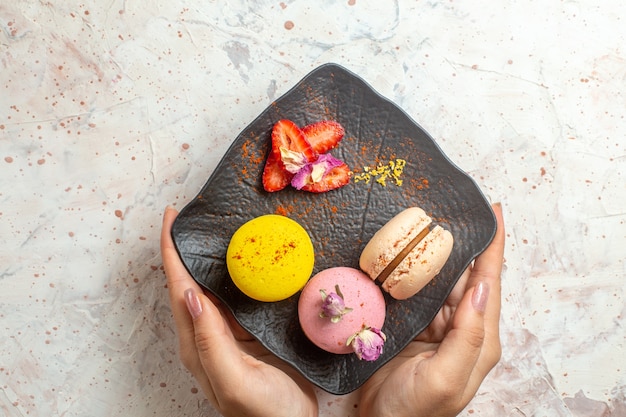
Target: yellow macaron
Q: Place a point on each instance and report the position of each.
(270, 258)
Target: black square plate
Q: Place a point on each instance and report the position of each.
(339, 222)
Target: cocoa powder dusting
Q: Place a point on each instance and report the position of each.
(284, 211)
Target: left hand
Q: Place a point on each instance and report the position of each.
(238, 375)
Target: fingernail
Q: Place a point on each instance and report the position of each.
(480, 296)
(193, 303)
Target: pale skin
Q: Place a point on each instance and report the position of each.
(436, 375)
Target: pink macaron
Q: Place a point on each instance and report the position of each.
(364, 307)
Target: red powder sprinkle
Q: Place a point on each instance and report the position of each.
(8, 159)
(289, 25)
(284, 211)
(118, 213)
(185, 146)
(244, 149)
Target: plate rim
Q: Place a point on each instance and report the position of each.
(336, 67)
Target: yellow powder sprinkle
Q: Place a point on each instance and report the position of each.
(392, 171)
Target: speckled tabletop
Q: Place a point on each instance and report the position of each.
(109, 111)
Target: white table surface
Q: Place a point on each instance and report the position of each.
(111, 110)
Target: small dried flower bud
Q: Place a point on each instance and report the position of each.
(368, 343)
(333, 305)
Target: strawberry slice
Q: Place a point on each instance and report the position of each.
(324, 135)
(335, 178)
(275, 176)
(288, 136)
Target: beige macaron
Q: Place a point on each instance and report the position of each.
(405, 254)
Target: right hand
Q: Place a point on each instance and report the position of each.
(442, 368)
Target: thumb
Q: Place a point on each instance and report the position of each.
(460, 349)
(215, 343)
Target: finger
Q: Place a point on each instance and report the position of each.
(177, 276)
(454, 361)
(488, 269)
(490, 260)
(217, 348)
(178, 280)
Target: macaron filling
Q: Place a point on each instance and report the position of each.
(402, 254)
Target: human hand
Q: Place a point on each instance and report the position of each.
(238, 375)
(440, 371)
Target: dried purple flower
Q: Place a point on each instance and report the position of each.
(313, 172)
(368, 343)
(333, 305)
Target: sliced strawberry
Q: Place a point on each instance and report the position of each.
(335, 178)
(286, 134)
(275, 176)
(324, 135)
